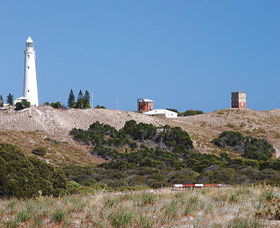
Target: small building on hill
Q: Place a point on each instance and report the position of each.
(144, 105)
(239, 100)
(161, 113)
(20, 99)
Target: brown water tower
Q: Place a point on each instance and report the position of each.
(239, 100)
(144, 105)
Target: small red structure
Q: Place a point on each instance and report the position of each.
(144, 105)
(239, 100)
(191, 186)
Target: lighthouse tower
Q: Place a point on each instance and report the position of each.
(30, 90)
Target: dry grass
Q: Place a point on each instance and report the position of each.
(59, 153)
(226, 207)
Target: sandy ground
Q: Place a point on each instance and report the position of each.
(202, 128)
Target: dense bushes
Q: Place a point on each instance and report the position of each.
(252, 148)
(192, 112)
(95, 134)
(40, 151)
(57, 105)
(139, 131)
(120, 175)
(172, 137)
(22, 176)
(143, 155)
(133, 134)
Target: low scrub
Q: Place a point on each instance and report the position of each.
(26, 177)
(249, 147)
(163, 208)
(145, 156)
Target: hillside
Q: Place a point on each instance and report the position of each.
(49, 128)
(203, 128)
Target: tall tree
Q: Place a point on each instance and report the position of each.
(71, 99)
(1, 101)
(86, 103)
(80, 100)
(10, 99)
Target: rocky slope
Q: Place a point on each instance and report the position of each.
(35, 126)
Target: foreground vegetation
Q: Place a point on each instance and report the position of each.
(231, 207)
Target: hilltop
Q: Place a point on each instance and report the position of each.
(48, 127)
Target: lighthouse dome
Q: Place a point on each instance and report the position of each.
(29, 40)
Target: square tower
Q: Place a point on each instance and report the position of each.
(144, 105)
(239, 100)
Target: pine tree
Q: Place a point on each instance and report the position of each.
(86, 103)
(1, 101)
(80, 100)
(71, 99)
(10, 99)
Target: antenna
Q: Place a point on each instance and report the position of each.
(238, 83)
(117, 102)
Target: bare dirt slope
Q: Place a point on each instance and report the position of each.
(56, 124)
(261, 124)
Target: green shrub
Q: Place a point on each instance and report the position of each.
(229, 139)
(23, 216)
(148, 199)
(58, 216)
(121, 218)
(252, 148)
(267, 195)
(11, 206)
(186, 113)
(272, 164)
(171, 210)
(192, 112)
(191, 205)
(100, 107)
(175, 136)
(22, 105)
(40, 151)
(57, 105)
(22, 176)
(73, 187)
(141, 131)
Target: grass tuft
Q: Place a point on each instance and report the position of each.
(58, 216)
(23, 216)
(122, 217)
(244, 223)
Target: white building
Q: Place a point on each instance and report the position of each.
(30, 90)
(161, 112)
(19, 100)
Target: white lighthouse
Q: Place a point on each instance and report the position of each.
(30, 90)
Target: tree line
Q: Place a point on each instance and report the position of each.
(83, 100)
(9, 100)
